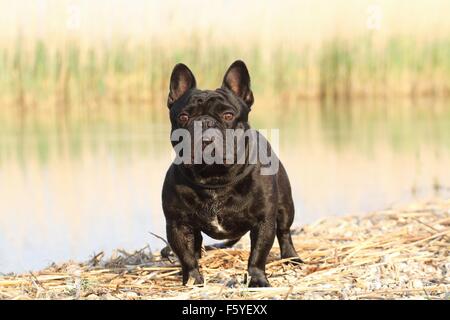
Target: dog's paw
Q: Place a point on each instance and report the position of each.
(166, 252)
(258, 282)
(193, 277)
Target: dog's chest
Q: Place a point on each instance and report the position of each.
(214, 215)
(212, 207)
(222, 215)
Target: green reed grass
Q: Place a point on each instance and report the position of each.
(339, 69)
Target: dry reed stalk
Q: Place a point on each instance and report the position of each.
(391, 254)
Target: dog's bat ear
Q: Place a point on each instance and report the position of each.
(237, 79)
(181, 81)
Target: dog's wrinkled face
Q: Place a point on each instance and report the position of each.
(220, 109)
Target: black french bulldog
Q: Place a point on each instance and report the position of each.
(225, 201)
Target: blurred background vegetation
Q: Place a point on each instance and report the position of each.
(57, 53)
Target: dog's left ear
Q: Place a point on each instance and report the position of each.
(181, 81)
(237, 79)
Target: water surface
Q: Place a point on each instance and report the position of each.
(82, 180)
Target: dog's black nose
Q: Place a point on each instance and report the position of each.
(208, 123)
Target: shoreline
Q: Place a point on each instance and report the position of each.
(396, 253)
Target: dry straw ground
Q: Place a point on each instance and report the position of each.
(398, 253)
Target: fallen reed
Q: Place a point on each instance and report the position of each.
(397, 253)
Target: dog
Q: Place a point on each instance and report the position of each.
(224, 201)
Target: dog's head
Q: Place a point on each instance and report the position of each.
(224, 108)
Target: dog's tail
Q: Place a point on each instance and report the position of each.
(166, 251)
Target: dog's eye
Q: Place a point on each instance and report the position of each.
(183, 117)
(228, 116)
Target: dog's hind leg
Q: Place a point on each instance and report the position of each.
(222, 245)
(167, 251)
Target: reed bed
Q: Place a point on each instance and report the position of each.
(58, 76)
(124, 51)
(397, 253)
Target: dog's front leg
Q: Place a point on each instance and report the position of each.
(262, 237)
(182, 238)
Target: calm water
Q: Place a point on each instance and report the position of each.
(77, 182)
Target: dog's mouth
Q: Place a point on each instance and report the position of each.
(201, 146)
